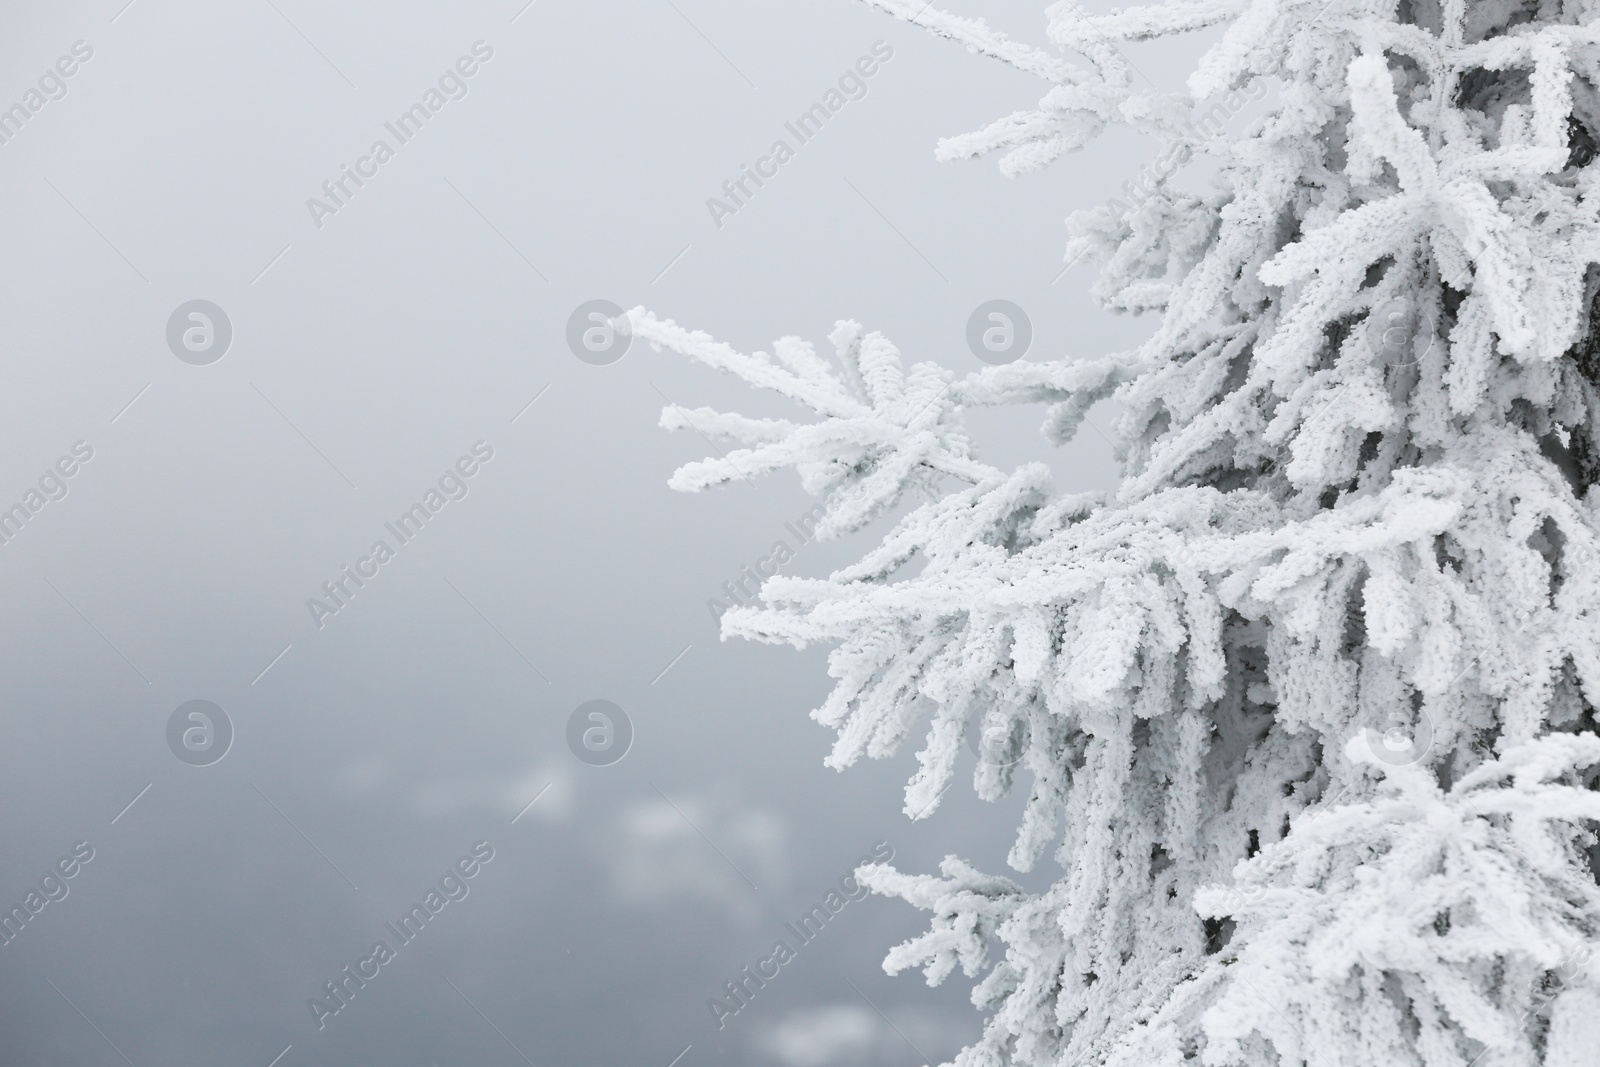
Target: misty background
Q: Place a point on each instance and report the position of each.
(371, 349)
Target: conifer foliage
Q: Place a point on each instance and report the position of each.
(1305, 711)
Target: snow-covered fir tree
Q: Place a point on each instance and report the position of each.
(1306, 709)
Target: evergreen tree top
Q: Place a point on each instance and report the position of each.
(1308, 704)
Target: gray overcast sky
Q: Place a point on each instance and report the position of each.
(371, 350)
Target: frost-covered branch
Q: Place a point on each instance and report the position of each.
(1308, 706)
